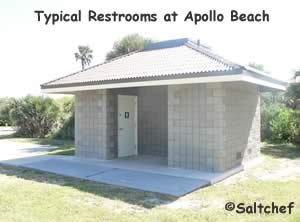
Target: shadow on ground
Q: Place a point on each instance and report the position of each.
(289, 151)
(132, 196)
(9, 136)
(64, 147)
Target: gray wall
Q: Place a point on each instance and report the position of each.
(96, 126)
(242, 123)
(212, 126)
(91, 124)
(152, 118)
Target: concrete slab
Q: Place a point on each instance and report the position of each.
(147, 173)
(154, 164)
(67, 168)
(154, 182)
(159, 183)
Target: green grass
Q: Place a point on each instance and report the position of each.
(30, 195)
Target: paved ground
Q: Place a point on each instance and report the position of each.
(6, 130)
(154, 182)
(142, 172)
(10, 150)
(28, 155)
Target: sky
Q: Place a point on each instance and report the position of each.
(33, 53)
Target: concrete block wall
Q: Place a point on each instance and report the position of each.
(195, 127)
(96, 122)
(242, 123)
(91, 124)
(153, 121)
(212, 126)
(112, 125)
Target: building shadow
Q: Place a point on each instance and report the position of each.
(289, 151)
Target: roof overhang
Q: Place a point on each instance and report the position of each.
(244, 75)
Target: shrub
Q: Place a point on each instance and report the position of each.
(66, 130)
(292, 96)
(66, 122)
(284, 125)
(268, 112)
(270, 106)
(279, 123)
(297, 120)
(5, 107)
(34, 116)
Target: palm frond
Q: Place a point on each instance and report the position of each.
(84, 55)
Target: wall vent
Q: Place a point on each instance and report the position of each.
(238, 155)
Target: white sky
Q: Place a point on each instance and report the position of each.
(32, 53)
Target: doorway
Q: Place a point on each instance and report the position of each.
(127, 125)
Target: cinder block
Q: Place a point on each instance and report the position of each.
(228, 115)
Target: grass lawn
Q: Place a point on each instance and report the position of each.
(30, 195)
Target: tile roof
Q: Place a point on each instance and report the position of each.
(162, 59)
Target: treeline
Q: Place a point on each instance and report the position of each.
(39, 116)
(280, 118)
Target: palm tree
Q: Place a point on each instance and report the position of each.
(84, 55)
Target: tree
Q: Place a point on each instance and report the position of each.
(257, 66)
(280, 116)
(84, 55)
(5, 107)
(66, 122)
(34, 116)
(127, 44)
(292, 93)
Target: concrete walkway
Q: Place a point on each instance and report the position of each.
(154, 182)
(104, 172)
(142, 172)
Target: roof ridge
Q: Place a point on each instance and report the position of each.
(165, 44)
(212, 55)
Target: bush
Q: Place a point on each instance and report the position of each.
(268, 112)
(279, 123)
(284, 125)
(34, 116)
(270, 106)
(5, 107)
(297, 120)
(66, 123)
(292, 96)
(66, 130)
